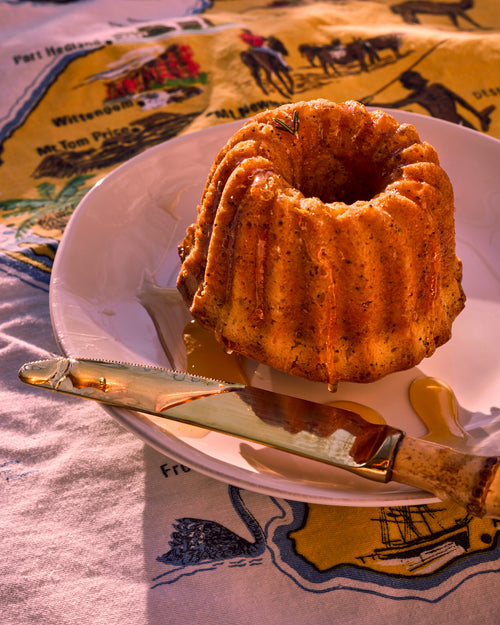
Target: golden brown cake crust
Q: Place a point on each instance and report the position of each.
(329, 252)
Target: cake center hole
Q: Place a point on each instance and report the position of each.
(342, 179)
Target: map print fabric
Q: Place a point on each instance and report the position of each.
(98, 527)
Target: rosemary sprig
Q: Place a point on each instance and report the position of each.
(284, 126)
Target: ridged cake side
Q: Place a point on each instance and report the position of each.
(329, 253)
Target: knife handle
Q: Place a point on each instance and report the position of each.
(469, 480)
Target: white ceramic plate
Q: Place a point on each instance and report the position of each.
(125, 233)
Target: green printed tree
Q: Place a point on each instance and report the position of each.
(51, 210)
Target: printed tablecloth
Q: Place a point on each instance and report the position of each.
(97, 526)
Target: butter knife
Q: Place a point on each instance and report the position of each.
(328, 434)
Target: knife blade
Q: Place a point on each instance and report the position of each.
(320, 432)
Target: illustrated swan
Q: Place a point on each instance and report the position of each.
(200, 540)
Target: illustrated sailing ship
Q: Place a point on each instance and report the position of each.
(415, 540)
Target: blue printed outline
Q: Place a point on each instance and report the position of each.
(39, 91)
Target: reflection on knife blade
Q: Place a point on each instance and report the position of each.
(325, 433)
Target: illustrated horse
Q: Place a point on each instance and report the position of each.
(269, 60)
(411, 9)
(391, 41)
(344, 54)
(310, 52)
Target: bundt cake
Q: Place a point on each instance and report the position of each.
(325, 244)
